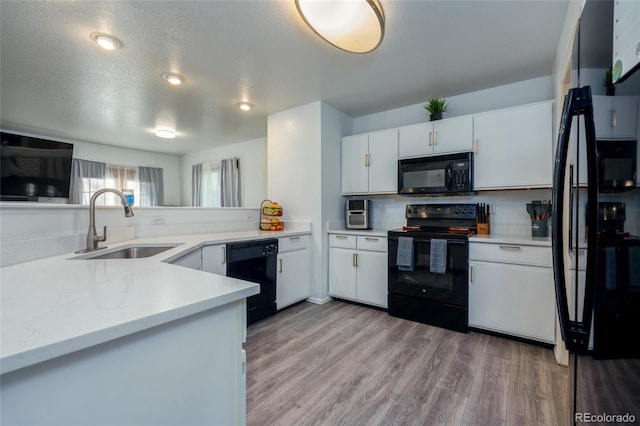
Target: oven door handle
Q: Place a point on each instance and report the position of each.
(427, 240)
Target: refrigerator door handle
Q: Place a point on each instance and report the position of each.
(575, 333)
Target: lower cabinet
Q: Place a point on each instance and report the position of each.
(511, 290)
(292, 279)
(192, 260)
(214, 259)
(358, 268)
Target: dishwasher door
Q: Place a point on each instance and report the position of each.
(256, 261)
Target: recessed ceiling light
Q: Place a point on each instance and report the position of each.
(174, 79)
(356, 26)
(106, 41)
(245, 106)
(165, 133)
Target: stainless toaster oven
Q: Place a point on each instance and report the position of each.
(357, 214)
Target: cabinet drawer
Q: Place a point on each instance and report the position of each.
(343, 241)
(296, 242)
(372, 243)
(511, 253)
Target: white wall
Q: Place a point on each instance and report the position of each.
(523, 92)
(253, 169)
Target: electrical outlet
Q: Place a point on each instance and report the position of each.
(249, 217)
(157, 220)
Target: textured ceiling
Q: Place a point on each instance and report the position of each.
(55, 81)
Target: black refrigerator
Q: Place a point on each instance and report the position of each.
(598, 301)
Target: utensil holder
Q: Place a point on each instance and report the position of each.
(539, 228)
(484, 228)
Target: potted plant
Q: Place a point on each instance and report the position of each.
(607, 82)
(436, 107)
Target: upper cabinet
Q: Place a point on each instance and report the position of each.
(615, 117)
(370, 163)
(514, 147)
(436, 137)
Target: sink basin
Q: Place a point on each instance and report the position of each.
(129, 252)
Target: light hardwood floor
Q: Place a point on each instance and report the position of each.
(344, 364)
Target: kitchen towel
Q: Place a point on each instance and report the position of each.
(438, 260)
(404, 258)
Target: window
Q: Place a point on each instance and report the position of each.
(89, 176)
(216, 183)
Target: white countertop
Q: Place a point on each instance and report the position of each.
(58, 305)
(511, 239)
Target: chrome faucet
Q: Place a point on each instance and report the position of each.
(92, 236)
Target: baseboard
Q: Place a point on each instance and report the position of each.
(319, 301)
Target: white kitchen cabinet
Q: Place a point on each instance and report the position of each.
(436, 137)
(514, 147)
(358, 268)
(370, 163)
(192, 260)
(615, 117)
(214, 259)
(292, 280)
(511, 290)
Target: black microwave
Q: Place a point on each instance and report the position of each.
(617, 165)
(436, 175)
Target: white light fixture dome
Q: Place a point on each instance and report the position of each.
(172, 78)
(245, 106)
(165, 133)
(106, 41)
(356, 26)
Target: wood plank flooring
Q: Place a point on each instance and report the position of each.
(344, 364)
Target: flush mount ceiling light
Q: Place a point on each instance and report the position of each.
(106, 41)
(165, 133)
(356, 26)
(244, 106)
(175, 79)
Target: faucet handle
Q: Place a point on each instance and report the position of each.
(102, 237)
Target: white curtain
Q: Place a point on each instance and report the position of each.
(230, 182)
(151, 186)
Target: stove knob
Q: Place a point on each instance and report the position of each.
(457, 210)
(464, 210)
(409, 211)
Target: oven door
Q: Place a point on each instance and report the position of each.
(419, 176)
(450, 287)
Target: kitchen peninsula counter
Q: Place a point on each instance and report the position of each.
(62, 312)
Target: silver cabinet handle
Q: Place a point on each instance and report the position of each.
(371, 238)
(354, 259)
(510, 247)
(294, 238)
(224, 255)
(341, 237)
(280, 270)
(471, 274)
(430, 133)
(475, 147)
(613, 118)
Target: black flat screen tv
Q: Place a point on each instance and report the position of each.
(31, 168)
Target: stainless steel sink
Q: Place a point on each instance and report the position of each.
(129, 252)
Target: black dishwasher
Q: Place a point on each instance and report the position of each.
(256, 261)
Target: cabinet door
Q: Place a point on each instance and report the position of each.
(214, 259)
(514, 147)
(372, 278)
(192, 260)
(292, 281)
(342, 273)
(512, 299)
(355, 173)
(453, 135)
(415, 140)
(383, 161)
(615, 116)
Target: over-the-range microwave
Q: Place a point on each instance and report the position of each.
(450, 174)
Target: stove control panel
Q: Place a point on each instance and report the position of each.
(441, 211)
